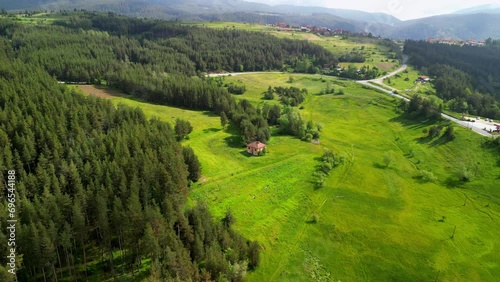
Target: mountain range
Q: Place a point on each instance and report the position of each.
(477, 23)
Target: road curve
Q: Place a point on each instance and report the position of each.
(471, 125)
(476, 127)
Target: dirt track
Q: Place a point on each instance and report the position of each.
(99, 91)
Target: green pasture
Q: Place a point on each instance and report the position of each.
(257, 84)
(37, 19)
(405, 82)
(375, 222)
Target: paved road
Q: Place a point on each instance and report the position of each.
(478, 127)
(239, 73)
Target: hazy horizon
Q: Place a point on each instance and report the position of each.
(401, 9)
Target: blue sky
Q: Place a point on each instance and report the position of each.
(402, 9)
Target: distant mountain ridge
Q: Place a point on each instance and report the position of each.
(477, 23)
(484, 9)
(459, 26)
(201, 6)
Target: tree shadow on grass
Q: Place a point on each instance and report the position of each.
(453, 182)
(432, 141)
(440, 141)
(233, 141)
(379, 165)
(423, 140)
(247, 154)
(208, 113)
(213, 129)
(412, 123)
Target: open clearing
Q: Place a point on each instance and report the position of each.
(376, 223)
(99, 91)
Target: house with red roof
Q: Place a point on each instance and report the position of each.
(255, 148)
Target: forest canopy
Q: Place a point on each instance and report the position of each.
(465, 76)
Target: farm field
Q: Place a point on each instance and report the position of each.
(374, 222)
(37, 19)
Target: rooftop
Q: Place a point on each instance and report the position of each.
(257, 145)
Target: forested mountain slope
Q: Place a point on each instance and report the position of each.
(95, 183)
(99, 189)
(469, 26)
(466, 76)
(196, 9)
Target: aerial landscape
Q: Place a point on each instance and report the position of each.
(166, 140)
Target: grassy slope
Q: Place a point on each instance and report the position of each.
(410, 87)
(375, 223)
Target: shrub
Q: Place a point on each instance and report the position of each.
(427, 176)
(465, 174)
(387, 159)
(182, 128)
(236, 89)
(435, 131)
(449, 134)
(268, 96)
(308, 137)
(314, 218)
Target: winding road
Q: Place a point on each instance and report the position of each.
(480, 128)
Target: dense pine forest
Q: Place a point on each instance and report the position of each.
(466, 77)
(162, 62)
(103, 184)
(101, 190)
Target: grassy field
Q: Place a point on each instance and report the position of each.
(376, 223)
(37, 19)
(405, 82)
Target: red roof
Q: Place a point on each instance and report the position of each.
(256, 145)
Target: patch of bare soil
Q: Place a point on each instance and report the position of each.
(99, 91)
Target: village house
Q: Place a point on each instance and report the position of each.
(255, 148)
(423, 79)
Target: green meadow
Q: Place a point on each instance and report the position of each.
(405, 82)
(37, 19)
(376, 218)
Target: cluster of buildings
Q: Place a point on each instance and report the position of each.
(470, 42)
(314, 29)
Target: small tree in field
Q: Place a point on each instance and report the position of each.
(182, 128)
(229, 219)
(449, 134)
(387, 159)
(435, 131)
(223, 119)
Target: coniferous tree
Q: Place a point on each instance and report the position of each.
(193, 164)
